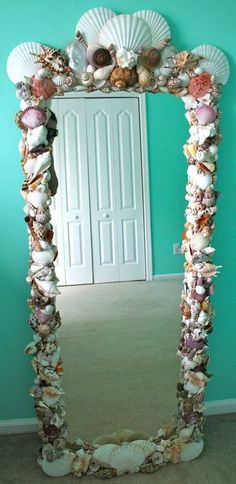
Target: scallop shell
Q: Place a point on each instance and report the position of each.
(59, 467)
(21, 63)
(33, 116)
(159, 28)
(59, 80)
(125, 458)
(191, 451)
(90, 24)
(43, 88)
(126, 31)
(215, 62)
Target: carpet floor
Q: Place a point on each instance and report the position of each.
(119, 348)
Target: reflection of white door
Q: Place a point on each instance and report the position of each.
(99, 207)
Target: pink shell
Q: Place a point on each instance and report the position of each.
(43, 88)
(33, 117)
(42, 317)
(205, 114)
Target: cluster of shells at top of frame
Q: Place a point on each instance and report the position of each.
(119, 52)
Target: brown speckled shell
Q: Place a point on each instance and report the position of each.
(123, 77)
(150, 58)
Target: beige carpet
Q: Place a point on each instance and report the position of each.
(119, 347)
(217, 464)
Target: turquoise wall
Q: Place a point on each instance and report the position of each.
(53, 22)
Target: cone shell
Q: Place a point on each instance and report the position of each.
(125, 31)
(43, 88)
(90, 24)
(159, 28)
(214, 62)
(21, 61)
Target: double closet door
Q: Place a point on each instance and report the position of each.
(98, 211)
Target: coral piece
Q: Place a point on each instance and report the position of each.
(199, 85)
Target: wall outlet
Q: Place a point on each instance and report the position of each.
(177, 248)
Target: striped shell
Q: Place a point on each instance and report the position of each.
(160, 30)
(125, 458)
(214, 62)
(125, 31)
(191, 451)
(90, 24)
(21, 61)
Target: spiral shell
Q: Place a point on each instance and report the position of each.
(150, 58)
(98, 56)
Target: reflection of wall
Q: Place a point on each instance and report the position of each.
(54, 23)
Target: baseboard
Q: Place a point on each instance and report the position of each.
(178, 275)
(19, 426)
(30, 425)
(220, 407)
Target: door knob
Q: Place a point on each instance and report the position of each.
(106, 215)
(77, 217)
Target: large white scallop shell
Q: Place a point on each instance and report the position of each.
(160, 29)
(191, 451)
(126, 31)
(90, 24)
(215, 62)
(59, 467)
(21, 63)
(127, 457)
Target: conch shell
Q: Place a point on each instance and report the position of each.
(123, 77)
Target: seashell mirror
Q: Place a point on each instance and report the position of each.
(112, 53)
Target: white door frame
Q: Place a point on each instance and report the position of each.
(145, 162)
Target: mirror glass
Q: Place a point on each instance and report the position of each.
(119, 331)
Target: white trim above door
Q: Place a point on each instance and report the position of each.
(144, 187)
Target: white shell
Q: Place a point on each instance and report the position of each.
(126, 31)
(21, 63)
(37, 136)
(37, 198)
(59, 467)
(43, 162)
(103, 73)
(49, 288)
(43, 257)
(215, 62)
(59, 80)
(203, 180)
(186, 432)
(199, 242)
(90, 24)
(160, 29)
(125, 458)
(191, 451)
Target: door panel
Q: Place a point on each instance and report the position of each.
(99, 206)
(102, 190)
(75, 189)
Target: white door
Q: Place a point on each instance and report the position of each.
(99, 158)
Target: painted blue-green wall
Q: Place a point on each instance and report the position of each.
(53, 22)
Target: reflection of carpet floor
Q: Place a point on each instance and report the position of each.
(119, 348)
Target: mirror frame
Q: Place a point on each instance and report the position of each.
(197, 80)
